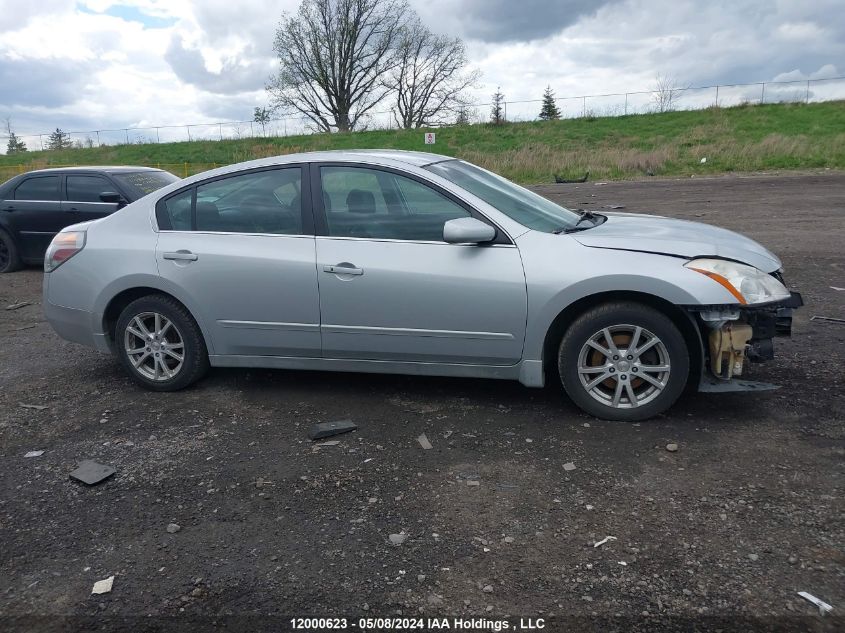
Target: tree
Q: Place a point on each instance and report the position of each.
(665, 93)
(428, 81)
(462, 117)
(334, 56)
(549, 110)
(497, 109)
(15, 145)
(262, 116)
(59, 140)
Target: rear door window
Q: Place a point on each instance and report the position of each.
(38, 188)
(87, 188)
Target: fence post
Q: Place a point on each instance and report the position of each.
(717, 96)
(158, 136)
(126, 132)
(626, 103)
(763, 94)
(807, 99)
(221, 130)
(584, 107)
(41, 138)
(251, 131)
(186, 170)
(188, 127)
(98, 138)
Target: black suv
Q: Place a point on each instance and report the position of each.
(37, 205)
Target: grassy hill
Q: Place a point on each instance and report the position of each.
(745, 138)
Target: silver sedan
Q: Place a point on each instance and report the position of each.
(414, 263)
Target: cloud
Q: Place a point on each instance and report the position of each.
(236, 74)
(42, 82)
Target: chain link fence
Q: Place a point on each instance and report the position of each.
(611, 104)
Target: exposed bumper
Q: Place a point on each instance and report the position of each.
(739, 334)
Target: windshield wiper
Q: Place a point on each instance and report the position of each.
(585, 216)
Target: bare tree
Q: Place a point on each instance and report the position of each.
(428, 81)
(333, 57)
(665, 92)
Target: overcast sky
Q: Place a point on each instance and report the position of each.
(90, 64)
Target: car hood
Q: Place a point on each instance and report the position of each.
(681, 238)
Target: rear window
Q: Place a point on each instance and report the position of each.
(140, 183)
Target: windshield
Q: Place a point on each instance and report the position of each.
(518, 203)
(140, 183)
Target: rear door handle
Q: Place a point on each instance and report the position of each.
(343, 270)
(181, 256)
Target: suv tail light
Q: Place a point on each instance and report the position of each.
(64, 246)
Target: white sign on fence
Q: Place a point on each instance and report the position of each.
(429, 138)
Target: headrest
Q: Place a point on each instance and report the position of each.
(360, 201)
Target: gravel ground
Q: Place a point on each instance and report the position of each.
(721, 533)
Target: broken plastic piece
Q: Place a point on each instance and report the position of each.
(103, 586)
(327, 429)
(604, 540)
(90, 472)
(37, 407)
(423, 440)
(34, 454)
(824, 318)
(823, 606)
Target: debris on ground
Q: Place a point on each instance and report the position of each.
(824, 318)
(571, 181)
(172, 528)
(471, 482)
(22, 328)
(614, 206)
(37, 407)
(34, 454)
(398, 539)
(606, 539)
(423, 440)
(327, 429)
(19, 305)
(823, 606)
(327, 443)
(835, 288)
(90, 472)
(103, 586)
(672, 448)
(569, 466)
(703, 160)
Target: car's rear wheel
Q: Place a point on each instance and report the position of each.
(159, 344)
(10, 260)
(623, 361)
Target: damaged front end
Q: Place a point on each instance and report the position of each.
(734, 335)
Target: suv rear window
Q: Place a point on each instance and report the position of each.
(139, 183)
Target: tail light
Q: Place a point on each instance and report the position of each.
(64, 246)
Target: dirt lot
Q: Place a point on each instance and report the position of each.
(746, 513)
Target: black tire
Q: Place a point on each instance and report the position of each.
(10, 259)
(619, 318)
(184, 328)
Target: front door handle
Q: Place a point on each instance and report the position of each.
(187, 256)
(343, 269)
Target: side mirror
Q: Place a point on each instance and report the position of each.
(467, 231)
(113, 197)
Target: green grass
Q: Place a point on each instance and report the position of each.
(745, 138)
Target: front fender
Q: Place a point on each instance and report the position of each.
(559, 277)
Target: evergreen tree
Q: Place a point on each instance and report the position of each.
(59, 140)
(549, 110)
(15, 145)
(463, 116)
(497, 110)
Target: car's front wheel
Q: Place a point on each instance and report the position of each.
(623, 361)
(159, 344)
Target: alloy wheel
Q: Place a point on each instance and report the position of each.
(154, 346)
(624, 366)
